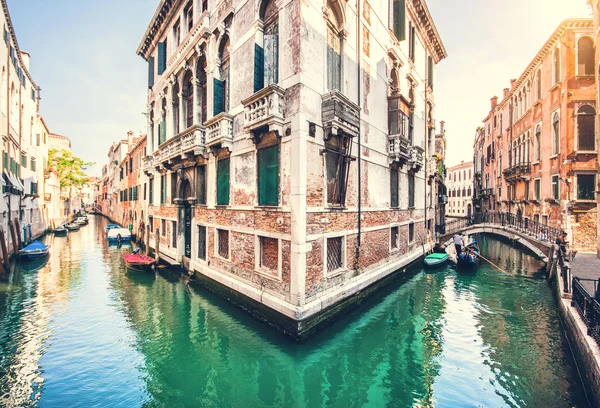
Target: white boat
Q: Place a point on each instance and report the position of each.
(81, 220)
(118, 235)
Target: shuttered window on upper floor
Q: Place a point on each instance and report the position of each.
(259, 68)
(271, 53)
(201, 184)
(150, 72)
(223, 182)
(162, 57)
(268, 175)
(399, 19)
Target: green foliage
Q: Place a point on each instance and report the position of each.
(70, 168)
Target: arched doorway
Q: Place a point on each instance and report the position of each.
(185, 215)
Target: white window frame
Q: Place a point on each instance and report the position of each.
(343, 268)
(216, 243)
(577, 53)
(535, 190)
(555, 149)
(261, 270)
(392, 249)
(552, 186)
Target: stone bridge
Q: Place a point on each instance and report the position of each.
(536, 237)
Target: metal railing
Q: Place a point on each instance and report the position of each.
(587, 306)
(535, 230)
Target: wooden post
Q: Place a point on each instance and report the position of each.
(18, 231)
(13, 237)
(4, 249)
(157, 244)
(147, 240)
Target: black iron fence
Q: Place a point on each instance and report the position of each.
(587, 306)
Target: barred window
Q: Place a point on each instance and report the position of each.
(223, 243)
(411, 232)
(174, 233)
(202, 242)
(334, 253)
(394, 238)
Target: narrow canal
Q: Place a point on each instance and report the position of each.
(81, 331)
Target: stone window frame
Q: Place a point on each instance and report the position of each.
(555, 149)
(397, 248)
(412, 224)
(576, 54)
(194, 248)
(261, 270)
(174, 226)
(535, 195)
(557, 195)
(576, 108)
(556, 71)
(163, 227)
(575, 184)
(344, 267)
(216, 243)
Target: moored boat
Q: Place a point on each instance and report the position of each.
(72, 227)
(35, 250)
(435, 259)
(117, 235)
(139, 262)
(108, 227)
(81, 220)
(60, 231)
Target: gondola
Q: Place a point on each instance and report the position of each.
(60, 231)
(35, 250)
(469, 257)
(73, 226)
(139, 262)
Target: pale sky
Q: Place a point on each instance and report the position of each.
(94, 85)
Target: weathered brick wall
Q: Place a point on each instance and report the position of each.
(584, 231)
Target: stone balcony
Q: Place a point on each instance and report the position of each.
(147, 164)
(399, 149)
(219, 131)
(340, 115)
(519, 171)
(188, 143)
(264, 111)
(417, 154)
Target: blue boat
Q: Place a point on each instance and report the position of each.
(34, 250)
(118, 236)
(111, 226)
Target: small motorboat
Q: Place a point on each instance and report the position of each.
(73, 226)
(111, 226)
(138, 262)
(435, 259)
(118, 235)
(35, 250)
(81, 220)
(60, 231)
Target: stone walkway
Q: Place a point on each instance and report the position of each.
(586, 266)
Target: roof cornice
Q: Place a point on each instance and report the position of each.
(13, 36)
(432, 37)
(162, 13)
(567, 24)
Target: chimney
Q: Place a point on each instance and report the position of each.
(494, 102)
(129, 140)
(506, 91)
(442, 127)
(512, 83)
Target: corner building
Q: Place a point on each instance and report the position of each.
(287, 147)
(537, 149)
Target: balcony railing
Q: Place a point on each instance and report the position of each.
(340, 114)
(219, 131)
(519, 171)
(147, 164)
(416, 157)
(588, 306)
(486, 192)
(264, 111)
(189, 142)
(399, 149)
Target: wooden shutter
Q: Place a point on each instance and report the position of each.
(223, 182)
(218, 97)
(6, 36)
(162, 57)
(430, 71)
(393, 187)
(150, 72)
(411, 190)
(400, 19)
(271, 54)
(268, 176)
(162, 132)
(259, 68)
(201, 184)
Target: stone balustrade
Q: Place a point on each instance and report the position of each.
(219, 131)
(188, 142)
(398, 149)
(264, 110)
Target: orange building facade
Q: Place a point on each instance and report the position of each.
(536, 155)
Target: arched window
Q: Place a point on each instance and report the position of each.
(538, 84)
(469, 192)
(201, 97)
(151, 127)
(586, 124)
(500, 122)
(495, 121)
(459, 176)
(335, 25)
(269, 14)
(13, 104)
(162, 125)
(188, 98)
(555, 134)
(395, 84)
(221, 87)
(464, 175)
(556, 67)
(175, 95)
(537, 143)
(585, 56)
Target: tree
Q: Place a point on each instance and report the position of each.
(70, 169)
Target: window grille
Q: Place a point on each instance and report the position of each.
(202, 242)
(223, 236)
(174, 233)
(334, 253)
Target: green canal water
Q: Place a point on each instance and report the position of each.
(80, 331)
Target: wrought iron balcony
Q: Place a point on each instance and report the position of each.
(519, 171)
(339, 114)
(416, 157)
(188, 143)
(486, 192)
(219, 131)
(399, 149)
(264, 111)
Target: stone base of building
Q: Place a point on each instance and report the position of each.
(299, 322)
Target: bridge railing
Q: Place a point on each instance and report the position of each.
(534, 229)
(587, 306)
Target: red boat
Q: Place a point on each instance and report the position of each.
(139, 262)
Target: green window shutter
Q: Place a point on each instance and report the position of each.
(393, 187)
(23, 160)
(5, 36)
(430, 71)
(268, 176)
(5, 160)
(162, 57)
(218, 97)
(33, 94)
(400, 19)
(223, 182)
(259, 68)
(162, 132)
(32, 165)
(201, 184)
(150, 72)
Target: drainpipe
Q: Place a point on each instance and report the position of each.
(358, 77)
(426, 158)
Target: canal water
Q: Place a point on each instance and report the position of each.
(80, 331)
